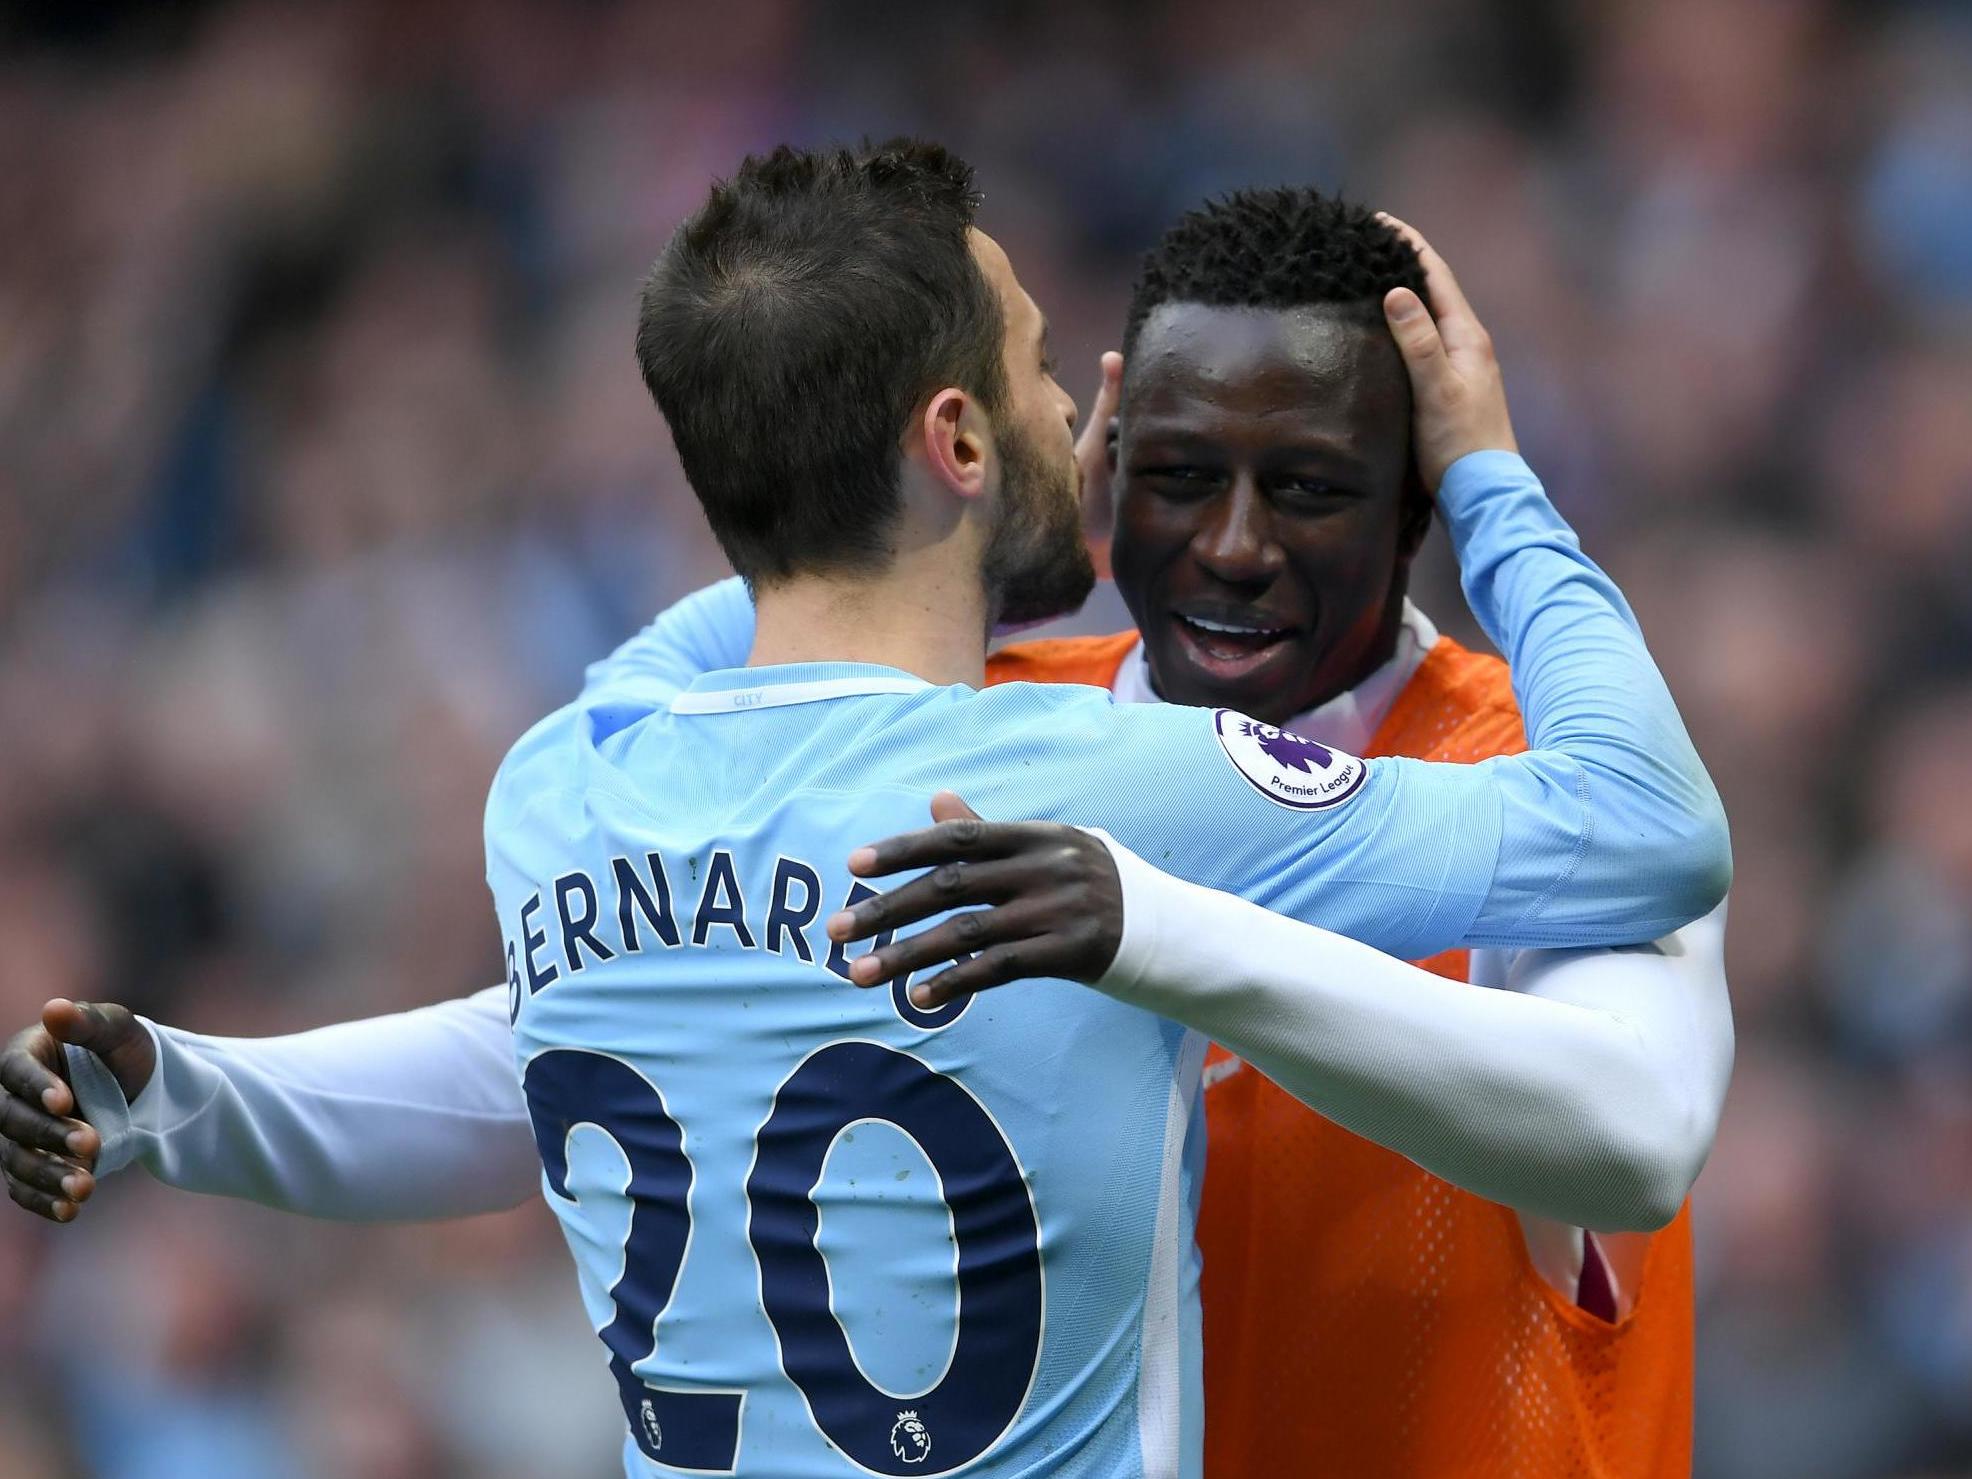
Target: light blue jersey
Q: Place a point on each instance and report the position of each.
(824, 1232)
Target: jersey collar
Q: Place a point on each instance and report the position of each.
(736, 690)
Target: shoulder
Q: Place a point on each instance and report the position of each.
(1036, 707)
(1090, 660)
(539, 751)
(544, 741)
(1064, 749)
(553, 755)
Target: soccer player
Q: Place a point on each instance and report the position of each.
(1267, 516)
(1335, 819)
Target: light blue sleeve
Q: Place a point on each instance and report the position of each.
(1607, 831)
(1402, 857)
(708, 630)
(1612, 831)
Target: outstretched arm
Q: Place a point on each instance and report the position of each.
(402, 1117)
(397, 1118)
(1589, 1092)
(708, 630)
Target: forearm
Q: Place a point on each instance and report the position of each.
(708, 630)
(397, 1118)
(1593, 1103)
(1611, 784)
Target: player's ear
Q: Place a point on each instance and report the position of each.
(955, 443)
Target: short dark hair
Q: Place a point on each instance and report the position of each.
(1284, 248)
(792, 327)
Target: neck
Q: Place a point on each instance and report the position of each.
(1382, 647)
(926, 623)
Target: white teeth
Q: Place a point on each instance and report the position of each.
(1219, 626)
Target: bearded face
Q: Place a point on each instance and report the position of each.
(1037, 565)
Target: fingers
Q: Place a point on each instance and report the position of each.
(48, 1160)
(990, 968)
(1057, 894)
(40, 1203)
(50, 1175)
(963, 934)
(23, 1124)
(1437, 271)
(30, 1088)
(1417, 339)
(1457, 323)
(949, 806)
(1092, 458)
(29, 1070)
(962, 840)
(948, 886)
(1110, 396)
(1103, 406)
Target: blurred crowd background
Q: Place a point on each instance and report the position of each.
(324, 468)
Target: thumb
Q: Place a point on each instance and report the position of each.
(109, 1031)
(947, 806)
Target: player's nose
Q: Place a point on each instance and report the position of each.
(1236, 540)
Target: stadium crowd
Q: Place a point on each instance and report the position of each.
(326, 468)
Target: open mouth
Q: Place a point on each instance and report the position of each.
(1230, 646)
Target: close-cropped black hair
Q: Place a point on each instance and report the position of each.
(792, 327)
(1283, 248)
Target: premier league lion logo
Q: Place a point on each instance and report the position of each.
(1290, 749)
(910, 1440)
(1286, 768)
(647, 1419)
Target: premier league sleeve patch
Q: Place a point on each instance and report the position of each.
(1285, 768)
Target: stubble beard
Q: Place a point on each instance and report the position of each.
(1037, 566)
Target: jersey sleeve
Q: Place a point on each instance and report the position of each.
(1401, 858)
(706, 631)
(396, 1118)
(1599, 1074)
(1607, 832)
(1612, 831)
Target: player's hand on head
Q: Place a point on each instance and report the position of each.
(48, 1156)
(1093, 450)
(1054, 904)
(1458, 394)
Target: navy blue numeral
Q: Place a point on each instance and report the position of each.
(929, 1018)
(999, 1259)
(999, 1254)
(568, 1087)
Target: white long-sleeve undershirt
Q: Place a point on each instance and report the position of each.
(1587, 1092)
(389, 1119)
